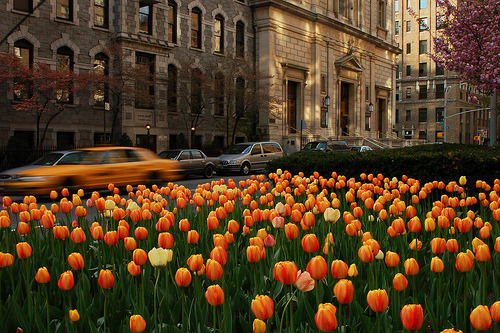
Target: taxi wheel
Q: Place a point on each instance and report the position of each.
(209, 171)
(153, 179)
(70, 184)
(245, 168)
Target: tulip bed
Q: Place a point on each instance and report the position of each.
(283, 253)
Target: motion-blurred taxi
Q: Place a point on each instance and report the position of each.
(100, 166)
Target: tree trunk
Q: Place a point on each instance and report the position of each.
(493, 119)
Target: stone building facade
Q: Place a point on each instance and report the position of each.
(328, 65)
(427, 94)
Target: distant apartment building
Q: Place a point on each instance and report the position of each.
(328, 68)
(427, 94)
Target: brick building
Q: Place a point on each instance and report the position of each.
(425, 93)
(328, 65)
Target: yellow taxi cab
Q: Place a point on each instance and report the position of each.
(99, 167)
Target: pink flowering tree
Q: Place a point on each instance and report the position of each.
(469, 44)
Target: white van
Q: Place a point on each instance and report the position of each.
(248, 156)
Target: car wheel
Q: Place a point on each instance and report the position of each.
(209, 171)
(245, 169)
(70, 184)
(154, 179)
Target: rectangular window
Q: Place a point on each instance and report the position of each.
(408, 26)
(422, 115)
(440, 90)
(398, 75)
(439, 114)
(439, 21)
(396, 27)
(408, 115)
(146, 88)
(422, 69)
(64, 9)
(240, 39)
(408, 4)
(324, 119)
(219, 34)
(408, 70)
(323, 84)
(422, 91)
(408, 93)
(396, 5)
(24, 52)
(423, 4)
(423, 24)
(422, 135)
(397, 116)
(172, 22)
(381, 14)
(196, 28)
(408, 48)
(23, 5)
(101, 13)
(172, 88)
(422, 47)
(145, 18)
(439, 70)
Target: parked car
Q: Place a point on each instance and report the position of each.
(99, 167)
(193, 161)
(248, 156)
(361, 149)
(326, 145)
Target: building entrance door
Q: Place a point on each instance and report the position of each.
(292, 106)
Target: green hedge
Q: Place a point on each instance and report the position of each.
(442, 162)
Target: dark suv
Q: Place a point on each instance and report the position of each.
(326, 145)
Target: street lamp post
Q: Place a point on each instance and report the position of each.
(148, 127)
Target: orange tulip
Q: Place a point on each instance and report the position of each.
(339, 269)
(291, 231)
(483, 253)
(141, 233)
(411, 266)
(106, 279)
(23, 250)
(193, 237)
(285, 272)
(438, 245)
(6, 259)
(133, 269)
(463, 262)
(480, 318)
(183, 277)
(400, 282)
(391, 259)
(42, 275)
(495, 311)
(212, 223)
(437, 265)
(23, 228)
(497, 244)
(365, 253)
(325, 317)
(165, 240)
(78, 236)
(262, 307)
(412, 316)
(213, 270)
(122, 232)
(75, 260)
(344, 291)
(219, 254)
(130, 243)
(4, 222)
(452, 245)
(97, 232)
(258, 326)
(74, 315)
(233, 226)
(317, 267)
(214, 295)
(310, 243)
(378, 300)
(66, 281)
(253, 253)
(140, 257)
(137, 324)
(111, 238)
(195, 262)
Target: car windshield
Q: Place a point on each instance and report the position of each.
(356, 148)
(238, 149)
(73, 158)
(315, 146)
(169, 154)
(48, 159)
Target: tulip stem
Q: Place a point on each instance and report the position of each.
(47, 304)
(482, 266)
(184, 316)
(105, 306)
(215, 318)
(284, 310)
(155, 297)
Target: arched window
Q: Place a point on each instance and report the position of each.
(172, 88)
(219, 94)
(172, 21)
(101, 67)
(196, 91)
(64, 63)
(219, 34)
(240, 39)
(196, 28)
(23, 50)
